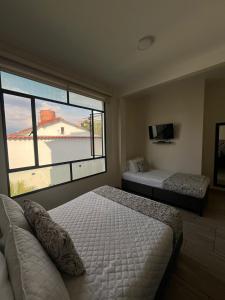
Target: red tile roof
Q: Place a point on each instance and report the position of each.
(22, 134)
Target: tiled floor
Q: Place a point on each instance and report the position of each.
(200, 270)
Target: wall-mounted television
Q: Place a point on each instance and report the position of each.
(161, 132)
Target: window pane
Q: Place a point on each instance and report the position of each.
(86, 101)
(63, 132)
(27, 86)
(87, 168)
(19, 130)
(31, 180)
(98, 119)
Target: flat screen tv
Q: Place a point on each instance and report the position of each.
(161, 132)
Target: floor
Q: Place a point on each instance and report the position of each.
(200, 268)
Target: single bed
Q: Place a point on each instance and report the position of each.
(187, 191)
(126, 242)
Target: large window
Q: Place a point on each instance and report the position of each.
(52, 136)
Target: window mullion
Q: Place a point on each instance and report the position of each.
(92, 133)
(104, 124)
(34, 122)
(71, 172)
(102, 133)
(4, 135)
(67, 97)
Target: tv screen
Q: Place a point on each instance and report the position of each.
(161, 132)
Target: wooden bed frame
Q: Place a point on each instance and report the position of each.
(168, 197)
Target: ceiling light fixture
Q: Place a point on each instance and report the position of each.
(145, 42)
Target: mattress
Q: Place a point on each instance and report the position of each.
(125, 253)
(154, 178)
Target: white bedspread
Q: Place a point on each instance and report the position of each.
(125, 253)
(153, 177)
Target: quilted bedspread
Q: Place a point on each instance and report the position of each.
(162, 212)
(125, 253)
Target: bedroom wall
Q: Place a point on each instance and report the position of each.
(135, 129)
(214, 113)
(180, 102)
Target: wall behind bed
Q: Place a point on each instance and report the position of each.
(214, 113)
(180, 102)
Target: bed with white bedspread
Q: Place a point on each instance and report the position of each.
(125, 249)
(188, 191)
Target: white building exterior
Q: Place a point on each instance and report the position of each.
(58, 141)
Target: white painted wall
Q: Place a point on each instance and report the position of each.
(55, 129)
(59, 150)
(21, 152)
(181, 103)
(41, 178)
(50, 151)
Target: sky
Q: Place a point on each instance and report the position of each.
(27, 86)
(31, 87)
(18, 109)
(69, 113)
(18, 112)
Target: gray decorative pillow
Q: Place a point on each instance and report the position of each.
(141, 165)
(59, 246)
(33, 211)
(32, 273)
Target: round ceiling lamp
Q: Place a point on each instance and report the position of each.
(145, 42)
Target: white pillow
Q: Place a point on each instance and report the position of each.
(32, 273)
(11, 213)
(6, 292)
(132, 166)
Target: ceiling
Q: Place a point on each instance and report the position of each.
(97, 39)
